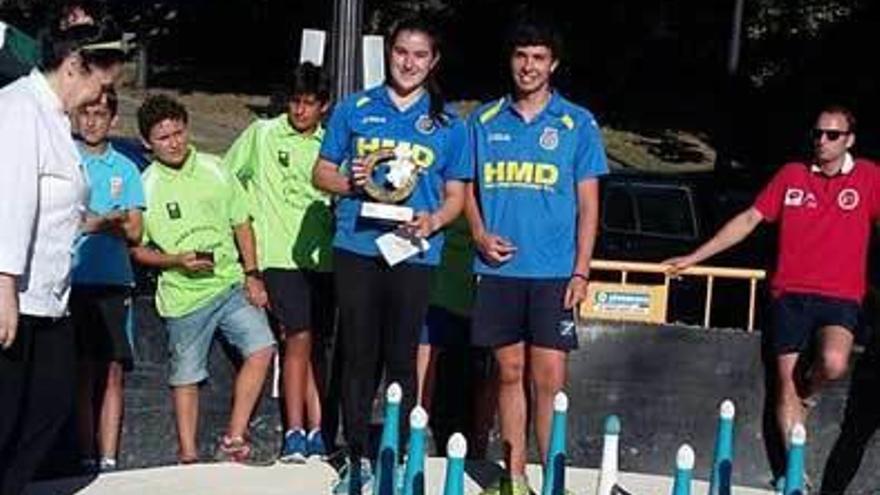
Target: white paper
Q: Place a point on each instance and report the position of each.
(381, 211)
(396, 248)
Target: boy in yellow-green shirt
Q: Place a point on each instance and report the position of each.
(196, 228)
(293, 223)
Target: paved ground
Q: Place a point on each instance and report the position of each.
(317, 478)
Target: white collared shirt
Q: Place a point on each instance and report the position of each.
(847, 167)
(42, 194)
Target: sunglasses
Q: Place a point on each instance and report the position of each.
(831, 134)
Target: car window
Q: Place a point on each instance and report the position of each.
(665, 211)
(618, 212)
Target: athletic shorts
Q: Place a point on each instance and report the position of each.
(510, 310)
(443, 328)
(798, 317)
(102, 319)
(300, 299)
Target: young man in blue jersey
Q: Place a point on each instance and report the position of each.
(533, 211)
(100, 301)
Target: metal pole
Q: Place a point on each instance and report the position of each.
(347, 21)
(735, 37)
(143, 66)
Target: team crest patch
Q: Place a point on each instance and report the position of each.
(848, 199)
(115, 187)
(794, 197)
(173, 210)
(284, 158)
(549, 139)
(425, 125)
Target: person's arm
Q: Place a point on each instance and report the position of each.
(587, 225)
(426, 223)
(472, 211)
(133, 227)
(187, 261)
(110, 223)
(18, 207)
(327, 177)
(493, 247)
(8, 309)
(256, 290)
(733, 232)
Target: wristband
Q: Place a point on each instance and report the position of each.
(580, 276)
(255, 273)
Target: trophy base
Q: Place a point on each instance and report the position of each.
(382, 211)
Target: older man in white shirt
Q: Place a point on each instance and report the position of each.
(43, 191)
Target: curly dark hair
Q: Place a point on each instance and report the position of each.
(157, 108)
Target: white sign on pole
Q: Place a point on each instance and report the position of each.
(312, 47)
(2, 34)
(374, 60)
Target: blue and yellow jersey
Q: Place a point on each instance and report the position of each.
(368, 121)
(527, 176)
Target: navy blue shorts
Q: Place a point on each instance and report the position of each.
(510, 310)
(102, 318)
(798, 317)
(443, 328)
(300, 299)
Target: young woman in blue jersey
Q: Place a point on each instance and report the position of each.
(533, 210)
(382, 308)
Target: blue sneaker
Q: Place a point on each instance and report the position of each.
(315, 444)
(295, 447)
(344, 485)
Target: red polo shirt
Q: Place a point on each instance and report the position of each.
(824, 227)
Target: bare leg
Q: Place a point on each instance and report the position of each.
(512, 404)
(836, 345)
(789, 408)
(548, 373)
(248, 385)
(111, 411)
(313, 400)
(297, 355)
(426, 366)
(186, 409)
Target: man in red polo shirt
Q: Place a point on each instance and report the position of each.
(825, 210)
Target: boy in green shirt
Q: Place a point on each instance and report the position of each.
(196, 226)
(273, 160)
